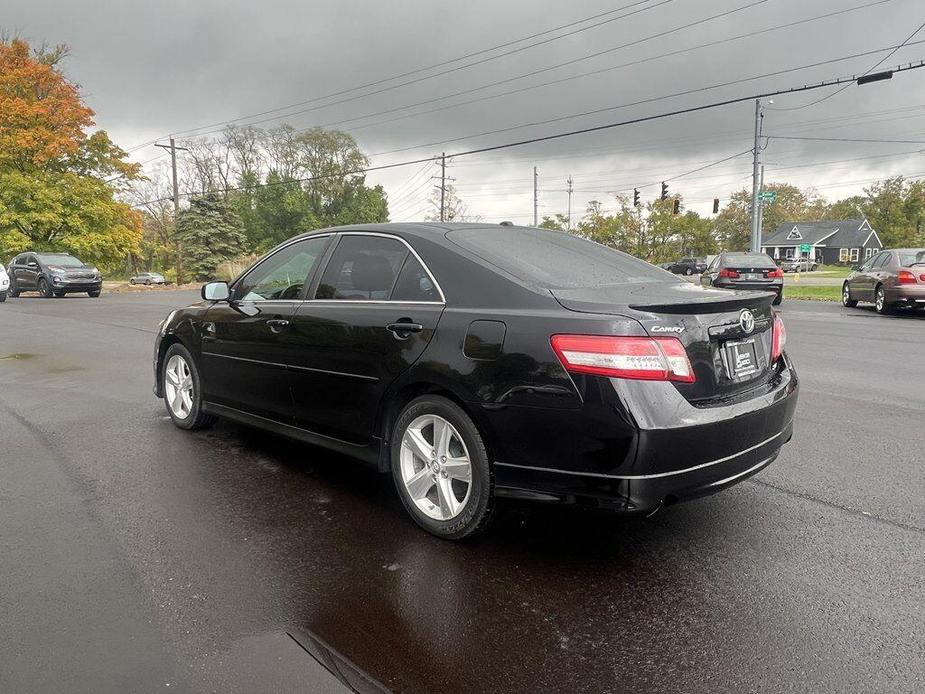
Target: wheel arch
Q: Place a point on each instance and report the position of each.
(400, 395)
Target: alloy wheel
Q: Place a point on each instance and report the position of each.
(435, 467)
(845, 294)
(880, 299)
(178, 386)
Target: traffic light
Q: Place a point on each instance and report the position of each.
(715, 205)
(635, 197)
(664, 191)
(677, 206)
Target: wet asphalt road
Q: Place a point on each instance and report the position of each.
(137, 557)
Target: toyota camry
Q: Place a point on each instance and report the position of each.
(474, 362)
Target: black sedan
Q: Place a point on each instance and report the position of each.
(475, 362)
(687, 266)
(754, 271)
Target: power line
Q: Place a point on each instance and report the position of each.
(870, 70)
(846, 139)
(443, 63)
(632, 63)
(572, 133)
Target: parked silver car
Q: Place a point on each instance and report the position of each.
(147, 278)
(799, 265)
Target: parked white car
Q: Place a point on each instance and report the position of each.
(4, 283)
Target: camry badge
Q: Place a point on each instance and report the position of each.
(746, 321)
(668, 329)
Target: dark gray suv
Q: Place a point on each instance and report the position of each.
(53, 274)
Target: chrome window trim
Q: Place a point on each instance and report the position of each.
(413, 252)
(654, 475)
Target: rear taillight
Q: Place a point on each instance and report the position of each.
(726, 272)
(645, 358)
(776, 272)
(778, 338)
(905, 277)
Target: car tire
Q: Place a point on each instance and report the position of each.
(187, 413)
(881, 305)
(778, 299)
(94, 294)
(147, 282)
(2, 297)
(13, 291)
(688, 272)
(132, 281)
(59, 294)
(846, 299)
(45, 289)
(432, 508)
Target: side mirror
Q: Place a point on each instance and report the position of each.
(215, 291)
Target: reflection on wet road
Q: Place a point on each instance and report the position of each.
(192, 557)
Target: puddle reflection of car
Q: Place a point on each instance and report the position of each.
(889, 280)
(474, 365)
(147, 278)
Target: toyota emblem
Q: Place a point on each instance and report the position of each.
(746, 321)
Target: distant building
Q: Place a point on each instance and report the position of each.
(830, 242)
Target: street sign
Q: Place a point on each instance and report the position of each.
(805, 248)
(767, 195)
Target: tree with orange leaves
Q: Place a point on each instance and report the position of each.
(57, 181)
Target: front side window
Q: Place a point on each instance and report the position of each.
(882, 260)
(283, 275)
(362, 268)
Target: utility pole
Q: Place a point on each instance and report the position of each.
(570, 202)
(760, 206)
(176, 202)
(536, 221)
(755, 244)
(443, 186)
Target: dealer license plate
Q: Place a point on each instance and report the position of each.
(741, 358)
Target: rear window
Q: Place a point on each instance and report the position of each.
(556, 260)
(907, 258)
(748, 260)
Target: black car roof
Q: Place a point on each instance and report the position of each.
(432, 231)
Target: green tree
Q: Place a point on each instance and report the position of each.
(733, 224)
(557, 223)
(54, 193)
(210, 232)
(895, 208)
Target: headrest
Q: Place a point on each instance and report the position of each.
(371, 273)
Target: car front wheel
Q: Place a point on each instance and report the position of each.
(45, 288)
(441, 468)
(846, 299)
(182, 389)
(94, 294)
(2, 297)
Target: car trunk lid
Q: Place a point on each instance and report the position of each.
(727, 334)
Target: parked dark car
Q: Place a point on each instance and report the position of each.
(889, 280)
(53, 274)
(687, 266)
(4, 283)
(753, 271)
(147, 278)
(476, 363)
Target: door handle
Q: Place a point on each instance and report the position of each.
(277, 325)
(402, 330)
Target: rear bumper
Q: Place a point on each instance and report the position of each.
(908, 293)
(679, 451)
(776, 287)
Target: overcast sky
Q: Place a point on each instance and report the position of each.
(149, 69)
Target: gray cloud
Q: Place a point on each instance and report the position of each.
(149, 69)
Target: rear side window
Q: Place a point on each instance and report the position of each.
(882, 260)
(362, 268)
(414, 284)
(555, 260)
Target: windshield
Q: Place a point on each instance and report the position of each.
(748, 259)
(907, 258)
(61, 260)
(555, 259)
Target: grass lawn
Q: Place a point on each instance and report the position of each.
(830, 271)
(813, 291)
